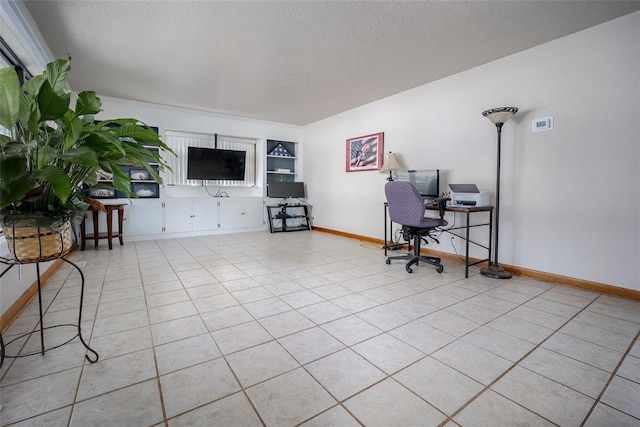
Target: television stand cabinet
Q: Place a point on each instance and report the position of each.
(280, 217)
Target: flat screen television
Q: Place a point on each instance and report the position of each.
(283, 190)
(427, 181)
(215, 164)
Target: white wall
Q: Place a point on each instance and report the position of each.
(17, 280)
(570, 203)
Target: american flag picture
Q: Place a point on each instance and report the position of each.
(365, 153)
(280, 150)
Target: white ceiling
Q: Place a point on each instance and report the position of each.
(294, 62)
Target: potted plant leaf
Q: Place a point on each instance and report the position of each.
(51, 151)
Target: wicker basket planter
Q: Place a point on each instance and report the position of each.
(37, 237)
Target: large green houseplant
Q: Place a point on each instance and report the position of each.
(53, 152)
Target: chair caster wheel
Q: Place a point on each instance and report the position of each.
(440, 269)
(409, 270)
(388, 261)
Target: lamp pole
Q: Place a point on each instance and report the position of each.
(498, 116)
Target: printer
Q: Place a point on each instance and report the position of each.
(466, 195)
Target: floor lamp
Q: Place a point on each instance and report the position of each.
(498, 117)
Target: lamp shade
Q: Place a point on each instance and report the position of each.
(391, 163)
(500, 115)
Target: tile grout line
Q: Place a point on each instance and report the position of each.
(84, 359)
(226, 361)
(387, 376)
(516, 363)
(300, 365)
(153, 346)
(611, 378)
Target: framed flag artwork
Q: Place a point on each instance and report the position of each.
(364, 153)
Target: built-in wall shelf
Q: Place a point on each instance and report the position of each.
(142, 183)
(282, 161)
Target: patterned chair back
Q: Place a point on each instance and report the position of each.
(406, 206)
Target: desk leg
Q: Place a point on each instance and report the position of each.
(385, 230)
(110, 227)
(120, 224)
(95, 228)
(466, 255)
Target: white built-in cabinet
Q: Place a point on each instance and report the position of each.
(240, 212)
(198, 214)
(142, 217)
(188, 214)
(184, 215)
(203, 214)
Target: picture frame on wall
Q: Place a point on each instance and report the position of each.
(365, 153)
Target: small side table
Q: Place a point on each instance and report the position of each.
(109, 235)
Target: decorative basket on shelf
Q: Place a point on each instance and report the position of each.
(37, 237)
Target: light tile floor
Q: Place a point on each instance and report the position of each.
(314, 329)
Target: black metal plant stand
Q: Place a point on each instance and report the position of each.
(41, 328)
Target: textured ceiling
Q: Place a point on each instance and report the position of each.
(296, 61)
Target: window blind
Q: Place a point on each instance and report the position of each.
(179, 141)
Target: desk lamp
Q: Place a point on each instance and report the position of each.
(498, 117)
(391, 164)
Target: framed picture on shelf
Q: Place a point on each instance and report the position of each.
(139, 174)
(101, 193)
(365, 153)
(145, 190)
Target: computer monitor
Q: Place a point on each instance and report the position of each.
(284, 190)
(427, 181)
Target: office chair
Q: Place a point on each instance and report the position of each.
(406, 208)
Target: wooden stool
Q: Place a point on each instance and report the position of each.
(108, 209)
